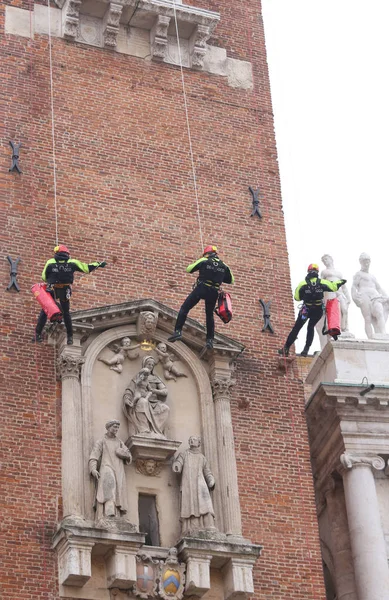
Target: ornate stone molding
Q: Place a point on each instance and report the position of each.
(111, 24)
(71, 18)
(221, 387)
(348, 461)
(158, 37)
(198, 45)
(70, 366)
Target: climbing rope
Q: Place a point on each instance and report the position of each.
(188, 127)
(53, 126)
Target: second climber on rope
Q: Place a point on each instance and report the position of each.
(311, 292)
(212, 273)
(58, 274)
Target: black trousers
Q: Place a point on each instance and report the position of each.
(313, 316)
(61, 296)
(200, 292)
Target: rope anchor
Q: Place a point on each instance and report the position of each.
(256, 209)
(15, 157)
(266, 316)
(13, 274)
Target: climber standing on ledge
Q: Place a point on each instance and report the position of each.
(212, 273)
(58, 274)
(311, 292)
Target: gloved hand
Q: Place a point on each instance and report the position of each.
(103, 264)
(342, 282)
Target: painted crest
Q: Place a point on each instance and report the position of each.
(171, 577)
(145, 577)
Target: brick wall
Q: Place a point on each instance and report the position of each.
(125, 194)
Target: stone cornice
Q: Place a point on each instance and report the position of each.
(349, 461)
(115, 315)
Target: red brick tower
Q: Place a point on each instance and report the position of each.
(125, 193)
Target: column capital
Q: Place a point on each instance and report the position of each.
(221, 387)
(69, 366)
(348, 461)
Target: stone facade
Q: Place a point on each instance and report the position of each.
(125, 194)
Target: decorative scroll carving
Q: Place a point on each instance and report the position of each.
(171, 577)
(149, 467)
(348, 461)
(111, 24)
(72, 19)
(69, 366)
(158, 37)
(221, 387)
(198, 45)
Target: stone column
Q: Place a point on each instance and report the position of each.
(226, 455)
(69, 363)
(366, 535)
(340, 538)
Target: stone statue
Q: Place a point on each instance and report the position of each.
(196, 481)
(144, 401)
(166, 359)
(370, 298)
(106, 465)
(332, 274)
(125, 349)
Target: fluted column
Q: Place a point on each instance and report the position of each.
(340, 538)
(221, 387)
(366, 534)
(69, 363)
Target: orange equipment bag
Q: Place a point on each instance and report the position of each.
(332, 318)
(224, 307)
(47, 302)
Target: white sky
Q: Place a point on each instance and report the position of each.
(329, 64)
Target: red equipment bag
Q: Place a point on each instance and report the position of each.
(47, 302)
(332, 318)
(224, 307)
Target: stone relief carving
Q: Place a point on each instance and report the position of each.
(69, 366)
(72, 19)
(167, 361)
(146, 325)
(196, 511)
(121, 352)
(370, 298)
(348, 461)
(144, 402)
(149, 467)
(198, 46)
(171, 577)
(146, 573)
(106, 465)
(111, 24)
(158, 37)
(221, 387)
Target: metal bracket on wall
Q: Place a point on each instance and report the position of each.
(255, 195)
(15, 157)
(266, 316)
(13, 274)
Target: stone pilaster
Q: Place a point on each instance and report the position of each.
(111, 24)
(221, 386)
(69, 366)
(340, 538)
(366, 535)
(158, 37)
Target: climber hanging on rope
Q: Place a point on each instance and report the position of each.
(311, 292)
(58, 274)
(212, 273)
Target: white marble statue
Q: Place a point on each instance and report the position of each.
(144, 402)
(196, 481)
(332, 274)
(106, 465)
(370, 298)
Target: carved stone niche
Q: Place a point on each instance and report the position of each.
(99, 554)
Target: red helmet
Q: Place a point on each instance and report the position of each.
(209, 249)
(313, 267)
(61, 248)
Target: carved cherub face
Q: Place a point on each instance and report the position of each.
(149, 319)
(126, 342)
(150, 466)
(162, 347)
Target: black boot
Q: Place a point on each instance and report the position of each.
(37, 338)
(70, 340)
(177, 335)
(305, 351)
(209, 343)
(284, 351)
